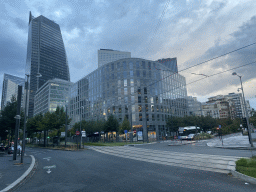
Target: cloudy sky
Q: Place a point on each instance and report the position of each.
(193, 31)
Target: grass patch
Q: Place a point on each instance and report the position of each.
(247, 166)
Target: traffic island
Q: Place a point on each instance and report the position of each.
(246, 169)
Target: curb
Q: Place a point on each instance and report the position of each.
(238, 148)
(244, 177)
(179, 144)
(22, 177)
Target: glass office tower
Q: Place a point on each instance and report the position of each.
(146, 92)
(10, 88)
(46, 55)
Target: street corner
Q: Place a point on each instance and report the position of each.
(13, 171)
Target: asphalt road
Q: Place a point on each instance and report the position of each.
(89, 170)
(200, 147)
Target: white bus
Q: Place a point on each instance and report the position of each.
(185, 131)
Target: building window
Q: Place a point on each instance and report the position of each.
(139, 99)
(140, 116)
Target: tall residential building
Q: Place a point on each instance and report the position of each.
(144, 91)
(52, 94)
(10, 88)
(238, 103)
(109, 55)
(46, 55)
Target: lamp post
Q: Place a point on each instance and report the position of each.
(246, 112)
(82, 107)
(25, 119)
(66, 126)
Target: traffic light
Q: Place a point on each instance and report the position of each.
(244, 123)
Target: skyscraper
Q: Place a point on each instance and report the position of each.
(46, 55)
(10, 88)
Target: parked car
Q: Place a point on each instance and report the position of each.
(2, 148)
(191, 136)
(11, 149)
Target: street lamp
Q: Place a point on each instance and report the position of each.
(82, 107)
(247, 119)
(66, 126)
(25, 121)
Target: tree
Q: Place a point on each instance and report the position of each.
(35, 125)
(7, 120)
(125, 125)
(111, 124)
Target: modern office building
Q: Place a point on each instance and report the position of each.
(171, 63)
(52, 94)
(46, 55)
(10, 88)
(146, 92)
(109, 55)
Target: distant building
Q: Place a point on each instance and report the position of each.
(46, 55)
(210, 109)
(109, 55)
(194, 106)
(238, 104)
(144, 91)
(53, 93)
(228, 106)
(10, 88)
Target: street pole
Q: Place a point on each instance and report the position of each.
(66, 122)
(247, 117)
(17, 117)
(80, 126)
(25, 119)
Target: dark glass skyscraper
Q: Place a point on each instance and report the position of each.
(46, 55)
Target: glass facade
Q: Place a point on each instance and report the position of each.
(10, 88)
(144, 91)
(45, 55)
(52, 94)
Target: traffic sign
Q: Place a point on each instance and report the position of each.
(125, 131)
(83, 134)
(134, 131)
(77, 133)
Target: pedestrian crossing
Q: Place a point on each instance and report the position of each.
(214, 163)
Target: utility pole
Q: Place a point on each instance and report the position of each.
(25, 119)
(66, 121)
(17, 117)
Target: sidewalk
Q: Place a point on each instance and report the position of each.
(235, 141)
(11, 172)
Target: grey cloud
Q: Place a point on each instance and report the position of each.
(21, 24)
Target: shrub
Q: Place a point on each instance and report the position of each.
(241, 162)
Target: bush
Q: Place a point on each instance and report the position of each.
(241, 162)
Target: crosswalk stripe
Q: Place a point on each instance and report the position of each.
(215, 163)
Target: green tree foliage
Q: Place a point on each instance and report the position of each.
(7, 120)
(111, 124)
(35, 125)
(253, 118)
(89, 126)
(125, 125)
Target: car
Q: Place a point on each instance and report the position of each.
(11, 149)
(2, 148)
(191, 136)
